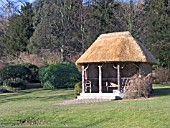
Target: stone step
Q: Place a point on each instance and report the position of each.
(109, 96)
(95, 97)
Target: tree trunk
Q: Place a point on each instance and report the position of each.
(62, 58)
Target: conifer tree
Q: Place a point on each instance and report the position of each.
(153, 28)
(19, 31)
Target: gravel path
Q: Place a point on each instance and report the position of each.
(78, 101)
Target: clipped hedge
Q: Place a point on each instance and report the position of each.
(59, 75)
(12, 75)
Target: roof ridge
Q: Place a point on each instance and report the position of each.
(115, 34)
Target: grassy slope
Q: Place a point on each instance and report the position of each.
(38, 107)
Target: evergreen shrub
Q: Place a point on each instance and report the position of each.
(77, 88)
(14, 75)
(59, 75)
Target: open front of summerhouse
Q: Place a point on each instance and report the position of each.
(110, 62)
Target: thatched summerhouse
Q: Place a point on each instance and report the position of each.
(109, 62)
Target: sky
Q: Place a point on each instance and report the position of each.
(17, 0)
(34, 0)
(31, 1)
(2, 2)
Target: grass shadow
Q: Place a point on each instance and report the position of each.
(35, 94)
(161, 92)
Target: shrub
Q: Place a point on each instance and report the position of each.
(161, 75)
(14, 75)
(33, 72)
(59, 75)
(77, 88)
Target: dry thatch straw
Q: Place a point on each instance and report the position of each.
(116, 47)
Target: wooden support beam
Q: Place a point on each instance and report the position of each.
(118, 77)
(83, 79)
(100, 78)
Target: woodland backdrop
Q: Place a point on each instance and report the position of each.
(51, 31)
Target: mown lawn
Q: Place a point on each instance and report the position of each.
(39, 108)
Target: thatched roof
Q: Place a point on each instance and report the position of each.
(116, 47)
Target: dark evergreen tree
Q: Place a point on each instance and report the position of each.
(19, 31)
(104, 14)
(153, 28)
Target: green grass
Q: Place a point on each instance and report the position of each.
(38, 108)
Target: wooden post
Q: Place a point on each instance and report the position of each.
(118, 77)
(100, 79)
(140, 71)
(83, 79)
